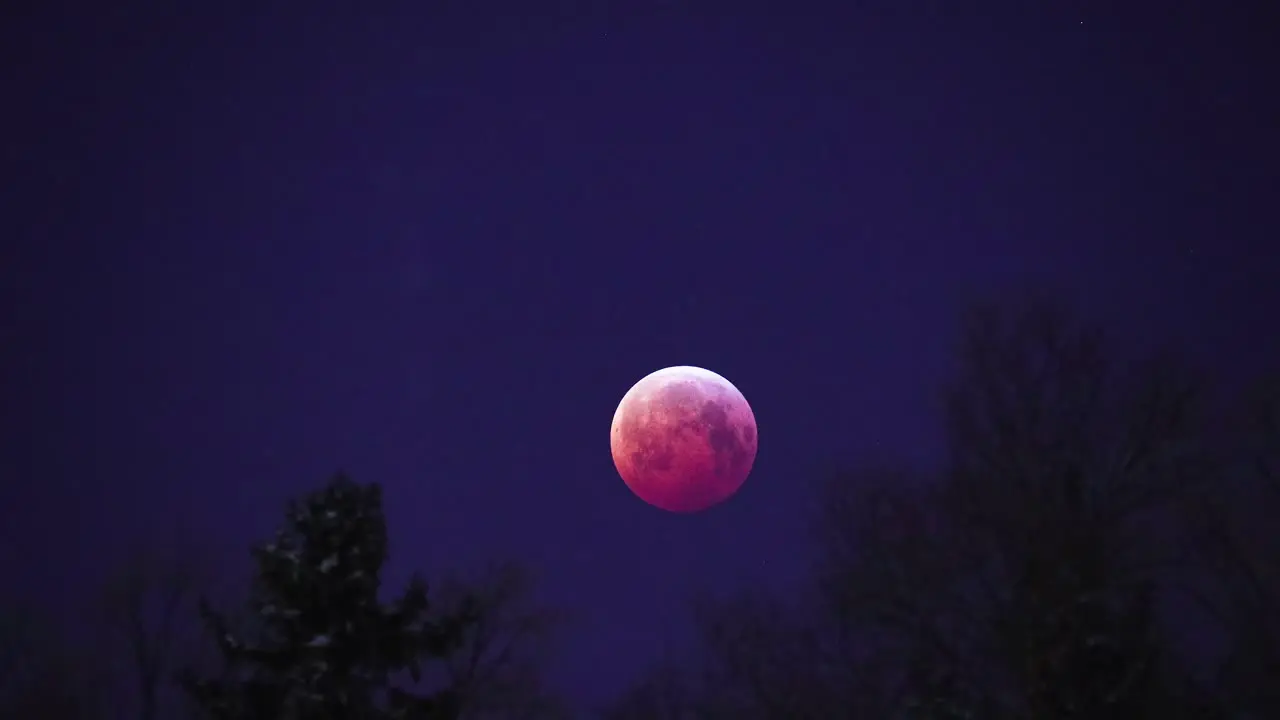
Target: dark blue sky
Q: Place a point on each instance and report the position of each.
(435, 248)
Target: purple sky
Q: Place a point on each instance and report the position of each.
(435, 250)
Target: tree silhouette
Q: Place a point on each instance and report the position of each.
(1019, 582)
(324, 646)
(1057, 458)
(496, 671)
(1239, 547)
(662, 694)
(145, 605)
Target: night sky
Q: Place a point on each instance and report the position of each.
(435, 248)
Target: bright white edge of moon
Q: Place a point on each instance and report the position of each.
(685, 371)
(688, 371)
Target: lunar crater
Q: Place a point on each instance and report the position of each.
(684, 439)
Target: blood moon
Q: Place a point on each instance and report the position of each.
(683, 439)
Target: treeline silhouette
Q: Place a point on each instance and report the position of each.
(1100, 543)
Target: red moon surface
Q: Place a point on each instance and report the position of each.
(683, 439)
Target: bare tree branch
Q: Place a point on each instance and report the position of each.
(1240, 551)
(497, 671)
(150, 607)
(662, 695)
(1018, 582)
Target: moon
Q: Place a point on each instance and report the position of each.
(683, 439)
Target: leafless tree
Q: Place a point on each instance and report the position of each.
(1062, 462)
(498, 669)
(757, 658)
(662, 694)
(1240, 547)
(150, 608)
(773, 658)
(1016, 583)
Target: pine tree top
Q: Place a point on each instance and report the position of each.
(323, 645)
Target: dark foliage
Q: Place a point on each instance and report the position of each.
(324, 646)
